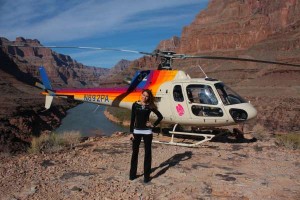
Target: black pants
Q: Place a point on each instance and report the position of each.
(135, 153)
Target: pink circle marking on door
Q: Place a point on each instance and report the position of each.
(180, 110)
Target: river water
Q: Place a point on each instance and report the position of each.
(84, 119)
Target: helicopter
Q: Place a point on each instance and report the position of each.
(205, 103)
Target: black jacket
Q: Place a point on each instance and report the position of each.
(140, 115)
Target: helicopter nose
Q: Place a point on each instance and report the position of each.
(242, 112)
(251, 111)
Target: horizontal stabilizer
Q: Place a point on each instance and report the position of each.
(41, 86)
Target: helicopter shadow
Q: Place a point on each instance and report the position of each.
(236, 136)
(171, 162)
(229, 139)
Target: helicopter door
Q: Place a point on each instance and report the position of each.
(204, 105)
(180, 109)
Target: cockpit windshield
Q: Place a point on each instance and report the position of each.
(227, 95)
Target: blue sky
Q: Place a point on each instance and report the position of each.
(132, 24)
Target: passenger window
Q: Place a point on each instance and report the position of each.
(177, 93)
(202, 94)
(207, 111)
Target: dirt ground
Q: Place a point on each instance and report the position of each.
(98, 169)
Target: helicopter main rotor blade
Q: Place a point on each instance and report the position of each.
(182, 56)
(162, 54)
(76, 47)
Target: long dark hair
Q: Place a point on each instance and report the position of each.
(151, 100)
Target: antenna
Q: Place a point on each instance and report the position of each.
(202, 71)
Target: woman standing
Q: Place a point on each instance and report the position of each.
(140, 127)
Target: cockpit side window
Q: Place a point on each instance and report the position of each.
(177, 93)
(227, 95)
(202, 94)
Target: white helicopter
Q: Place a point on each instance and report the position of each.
(204, 103)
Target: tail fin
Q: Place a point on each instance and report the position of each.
(45, 78)
(46, 86)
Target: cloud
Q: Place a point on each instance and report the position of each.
(54, 20)
(132, 24)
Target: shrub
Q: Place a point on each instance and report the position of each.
(71, 138)
(258, 148)
(290, 141)
(122, 114)
(54, 142)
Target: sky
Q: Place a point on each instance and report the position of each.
(133, 24)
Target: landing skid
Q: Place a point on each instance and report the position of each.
(207, 137)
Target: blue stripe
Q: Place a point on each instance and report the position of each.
(45, 78)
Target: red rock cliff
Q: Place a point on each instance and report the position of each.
(238, 25)
(62, 69)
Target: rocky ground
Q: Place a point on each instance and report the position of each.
(98, 169)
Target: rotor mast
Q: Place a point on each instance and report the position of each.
(166, 58)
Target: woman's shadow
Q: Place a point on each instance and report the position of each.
(171, 162)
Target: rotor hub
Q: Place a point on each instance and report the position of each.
(166, 59)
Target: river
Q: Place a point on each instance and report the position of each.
(88, 122)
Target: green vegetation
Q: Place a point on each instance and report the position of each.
(291, 141)
(122, 114)
(54, 142)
